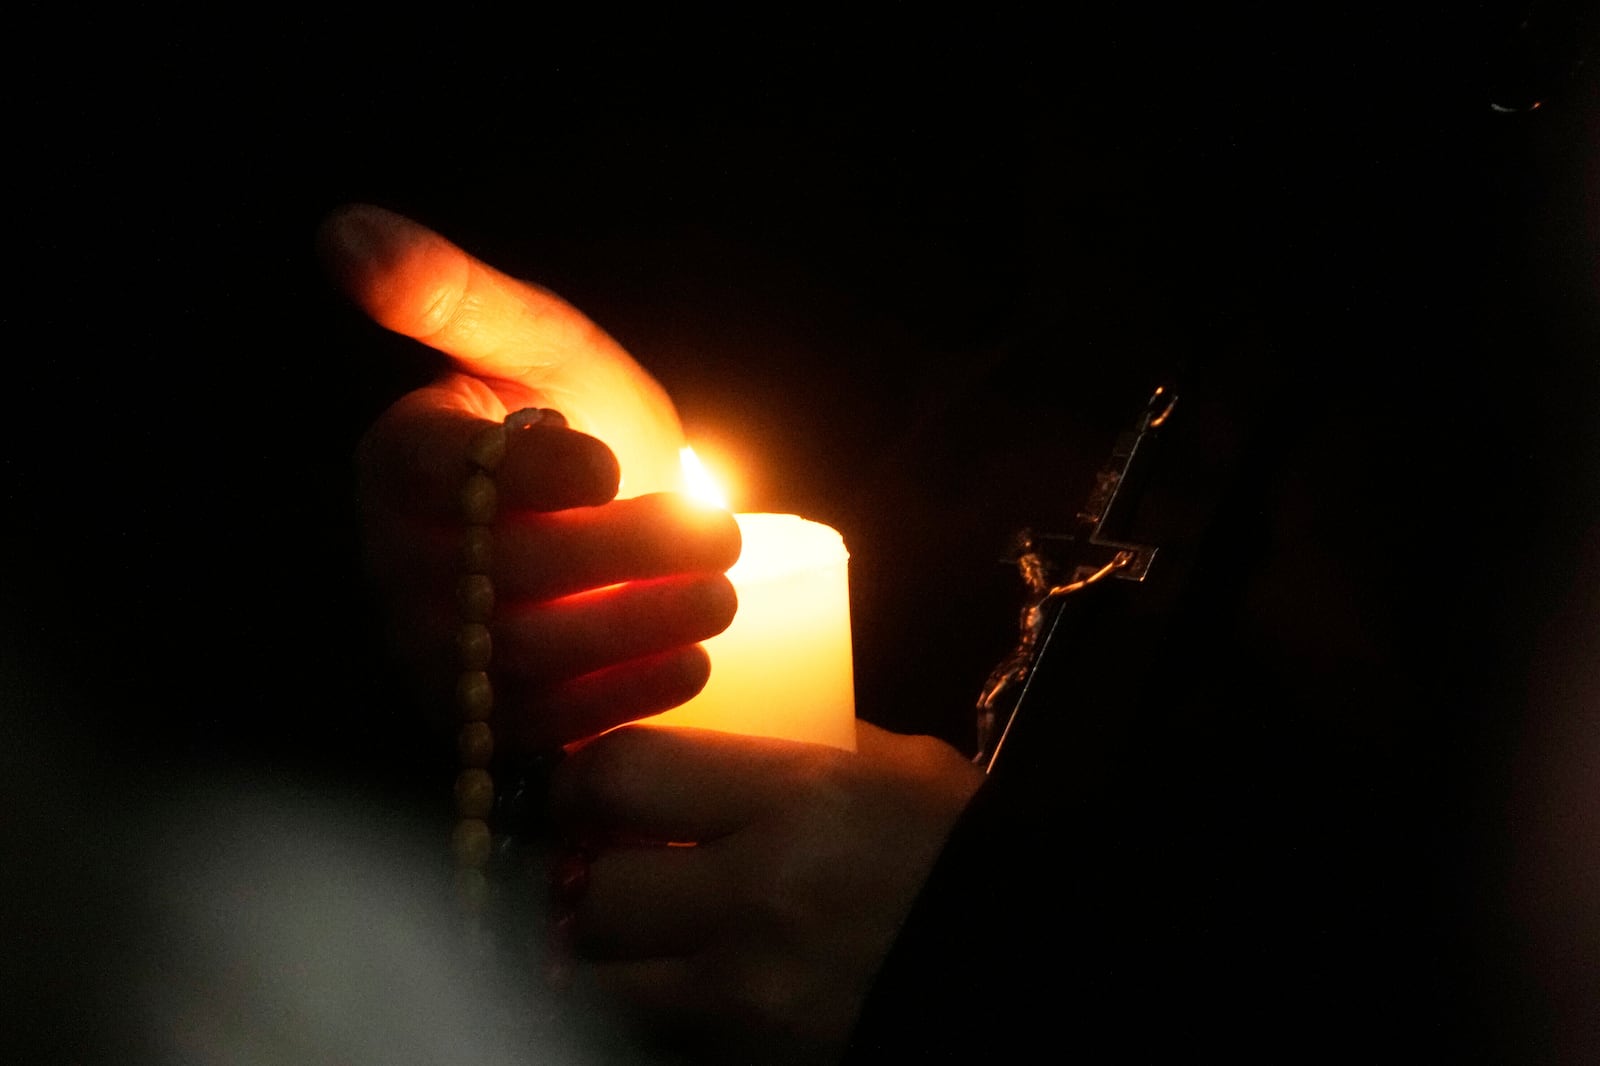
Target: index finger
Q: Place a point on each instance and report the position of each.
(411, 280)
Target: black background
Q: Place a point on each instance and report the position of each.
(894, 272)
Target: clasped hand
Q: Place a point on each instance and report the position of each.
(759, 941)
(599, 601)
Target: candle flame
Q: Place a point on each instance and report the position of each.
(702, 486)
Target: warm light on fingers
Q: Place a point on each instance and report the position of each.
(415, 282)
(702, 487)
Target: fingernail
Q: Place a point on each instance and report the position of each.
(357, 231)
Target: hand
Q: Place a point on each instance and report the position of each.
(759, 942)
(599, 602)
(527, 343)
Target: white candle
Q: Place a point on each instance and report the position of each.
(783, 668)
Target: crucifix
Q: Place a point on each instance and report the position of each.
(1097, 548)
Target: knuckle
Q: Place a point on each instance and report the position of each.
(448, 311)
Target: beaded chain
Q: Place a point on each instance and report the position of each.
(472, 841)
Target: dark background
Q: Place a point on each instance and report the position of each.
(839, 246)
(910, 280)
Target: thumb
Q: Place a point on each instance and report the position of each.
(410, 280)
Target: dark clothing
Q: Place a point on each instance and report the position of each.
(1264, 806)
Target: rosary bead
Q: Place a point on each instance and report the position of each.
(488, 447)
(475, 553)
(470, 843)
(475, 596)
(474, 696)
(472, 888)
(478, 499)
(475, 744)
(474, 793)
(474, 645)
(528, 417)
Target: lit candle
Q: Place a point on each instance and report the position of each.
(783, 668)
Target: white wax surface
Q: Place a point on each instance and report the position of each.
(783, 668)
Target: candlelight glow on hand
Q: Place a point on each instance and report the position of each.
(784, 667)
(698, 480)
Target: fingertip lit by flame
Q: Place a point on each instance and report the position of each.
(699, 481)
